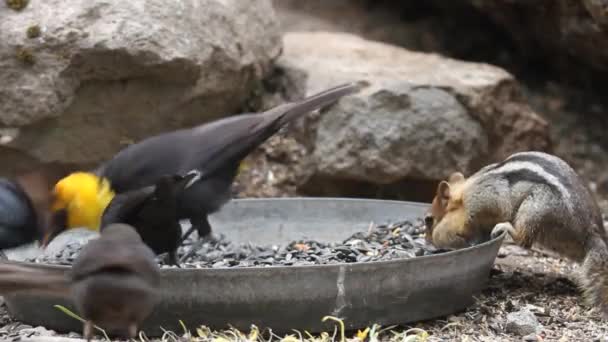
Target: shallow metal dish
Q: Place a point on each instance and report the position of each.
(297, 297)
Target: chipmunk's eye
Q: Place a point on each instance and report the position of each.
(428, 220)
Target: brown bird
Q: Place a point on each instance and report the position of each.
(114, 282)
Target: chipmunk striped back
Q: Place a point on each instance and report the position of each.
(541, 169)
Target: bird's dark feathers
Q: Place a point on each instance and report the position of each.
(209, 148)
(215, 150)
(26, 278)
(152, 211)
(124, 204)
(114, 281)
(18, 220)
(118, 248)
(25, 203)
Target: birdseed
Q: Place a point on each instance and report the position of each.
(400, 240)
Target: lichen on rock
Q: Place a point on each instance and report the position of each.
(17, 5)
(33, 31)
(132, 68)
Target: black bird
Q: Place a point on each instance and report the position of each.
(114, 281)
(25, 204)
(214, 149)
(18, 220)
(152, 210)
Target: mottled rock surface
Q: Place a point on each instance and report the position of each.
(79, 79)
(422, 117)
(563, 31)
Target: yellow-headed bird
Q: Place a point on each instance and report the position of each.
(85, 197)
(214, 150)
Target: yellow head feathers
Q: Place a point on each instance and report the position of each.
(84, 196)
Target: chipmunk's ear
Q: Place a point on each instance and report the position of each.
(443, 193)
(456, 177)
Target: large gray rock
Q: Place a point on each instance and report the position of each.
(422, 117)
(101, 74)
(562, 31)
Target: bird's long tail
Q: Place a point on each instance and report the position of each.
(16, 278)
(292, 110)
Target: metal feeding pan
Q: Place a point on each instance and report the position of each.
(297, 297)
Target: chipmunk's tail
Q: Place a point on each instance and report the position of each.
(594, 279)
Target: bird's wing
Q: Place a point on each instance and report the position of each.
(18, 220)
(209, 148)
(223, 148)
(102, 255)
(23, 278)
(13, 236)
(124, 205)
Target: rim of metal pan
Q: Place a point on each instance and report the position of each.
(283, 267)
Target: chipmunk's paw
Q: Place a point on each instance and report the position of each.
(502, 228)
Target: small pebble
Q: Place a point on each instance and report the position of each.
(522, 323)
(531, 338)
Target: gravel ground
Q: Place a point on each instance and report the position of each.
(543, 284)
(524, 280)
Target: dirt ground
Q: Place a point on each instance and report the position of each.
(530, 279)
(520, 279)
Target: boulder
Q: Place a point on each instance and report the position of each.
(563, 31)
(422, 116)
(79, 79)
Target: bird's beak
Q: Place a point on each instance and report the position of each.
(57, 224)
(57, 205)
(45, 240)
(49, 236)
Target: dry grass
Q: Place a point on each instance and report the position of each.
(374, 333)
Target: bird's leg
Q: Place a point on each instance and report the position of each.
(87, 331)
(193, 249)
(204, 232)
(202, 226)
(172, 259)
(187, 235)
(203, 229)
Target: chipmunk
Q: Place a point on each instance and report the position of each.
(535, 197)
